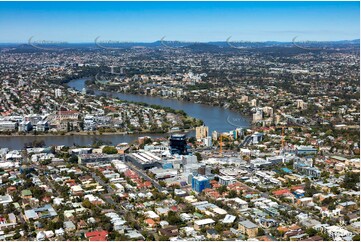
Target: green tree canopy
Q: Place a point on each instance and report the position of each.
(109, 150)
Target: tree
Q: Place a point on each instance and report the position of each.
(350, 181)
(54, 225)
(45, 162)
(37, 192)
(219, 227)
(356, 237)
(260, 232)
(163, 238)
(311, 232)
(335, 190)
(73, 159)
(192, 140)
(87, 204)
(222, 189)
(199, 156)
(162, 183)
(309, 189)
(16, 235)
(325, 174)
(189, 208)
(215, 171)
(232, 194)
(327, 201)
(109, 150)
(173, 218)
(148, 141)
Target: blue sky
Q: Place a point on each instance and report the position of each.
(186, 21)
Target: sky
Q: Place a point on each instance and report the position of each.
(75, 22)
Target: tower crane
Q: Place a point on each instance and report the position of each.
(221, 143)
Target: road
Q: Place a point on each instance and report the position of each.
(108, 196)
(99, 180)
(50, 183)
(246, 141)
(145, 176)
(267, 195)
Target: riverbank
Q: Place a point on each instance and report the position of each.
(105, 88)
(92, 133)
(215, 117)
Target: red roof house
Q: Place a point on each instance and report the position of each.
(97, 235)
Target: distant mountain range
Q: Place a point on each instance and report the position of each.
(202, 46)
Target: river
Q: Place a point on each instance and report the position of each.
(216, 118)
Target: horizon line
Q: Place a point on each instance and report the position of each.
(179, 41)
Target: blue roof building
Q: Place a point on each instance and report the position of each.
(199, 183)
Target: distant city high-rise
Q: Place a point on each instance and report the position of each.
(214, 135)
(254, 102)
(207, 141)
(301, 104)
(201, 132)
(21, 82)
(277, 119)
(268, 111)
(257, 116)
(112, 69)
(244, 99)
(58, 92)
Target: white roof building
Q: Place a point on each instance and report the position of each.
(336, 232)
(203, 222)
(5, 199)
(152, 215)
(228, 219)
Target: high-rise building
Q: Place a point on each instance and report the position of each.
(268, 111)
(112, 69)
(199, 183)
(277, 119)
(257, 137)
(257, 116)
(240, 132)
(254, 102)
(214, 135)
(244, 99)
(304, 105)
(201, 132)
(58, 92)
(178, 144)
(299, 103)
(207, 141)
(235, 134)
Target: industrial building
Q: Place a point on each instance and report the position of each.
(144, 160)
